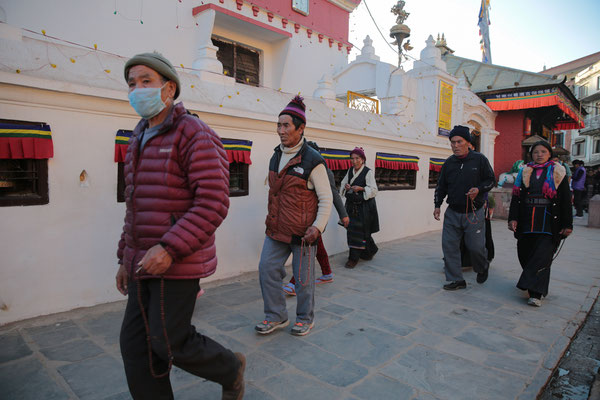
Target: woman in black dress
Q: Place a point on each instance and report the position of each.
(359, 188)
(540, 216)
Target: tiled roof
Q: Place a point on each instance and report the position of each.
(489, 77)
(573, 66)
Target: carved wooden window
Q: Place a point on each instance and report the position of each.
(239, 62)
(26, 147)
(238, 179)
(395, 179)
(23, 182)
(433, 179)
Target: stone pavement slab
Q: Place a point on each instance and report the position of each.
(76, 350)
(28, 379)
(13, 347)
(384, 330)
(50, 335)
(446, 375)
(95, 378)
(370, 346)
(381, 387)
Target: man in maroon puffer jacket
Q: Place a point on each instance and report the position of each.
(177, 194)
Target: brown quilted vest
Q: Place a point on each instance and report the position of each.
(292, 206)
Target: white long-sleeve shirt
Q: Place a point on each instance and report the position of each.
(370, 189)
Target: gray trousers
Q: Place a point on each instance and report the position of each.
(271, 273)
(456, 226)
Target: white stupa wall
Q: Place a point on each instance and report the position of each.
(62, 255)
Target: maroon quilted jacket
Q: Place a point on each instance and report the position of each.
(177, 194)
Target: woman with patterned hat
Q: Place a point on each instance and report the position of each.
(359, 188)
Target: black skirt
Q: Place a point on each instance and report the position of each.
(535, 253)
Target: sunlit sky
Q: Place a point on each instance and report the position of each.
(524, 34)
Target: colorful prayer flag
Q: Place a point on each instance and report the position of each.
(484, 31)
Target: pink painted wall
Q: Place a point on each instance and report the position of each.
(323, 16)
(508, 148)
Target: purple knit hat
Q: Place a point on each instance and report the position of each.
(360, 152)
(295, 108)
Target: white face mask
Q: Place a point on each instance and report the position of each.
(147, 102)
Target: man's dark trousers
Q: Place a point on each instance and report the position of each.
(578, 196)
(192, 352)
(472, 227)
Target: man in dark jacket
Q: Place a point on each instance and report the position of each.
(465, 177)
(177, 186)
(299, 205)
(578, 185)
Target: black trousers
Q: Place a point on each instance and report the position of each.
(367, 253)
(535, 253)
(192, 352)
(578, 201)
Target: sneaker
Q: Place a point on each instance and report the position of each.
(269, 326)
(534, 302)
(324, 279)
(351, 263)
(289, 289)
(482, 277)
(236, 390)
(301, 329)
(455, 285)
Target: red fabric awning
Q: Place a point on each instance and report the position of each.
(240, 156)
(396, 161)
(566, 125)
(120, 151)
(26, 141)
(121, 144)
(338, 164)
(537, 99)
(238, 150)
(336, 159)
(435, 164)
(396, 165)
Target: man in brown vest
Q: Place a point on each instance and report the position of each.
(300, 201)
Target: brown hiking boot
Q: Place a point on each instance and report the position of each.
(236, 390)
(351, 263)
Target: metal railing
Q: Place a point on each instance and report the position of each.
(358, 101)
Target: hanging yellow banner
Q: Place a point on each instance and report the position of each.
(445, 110)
